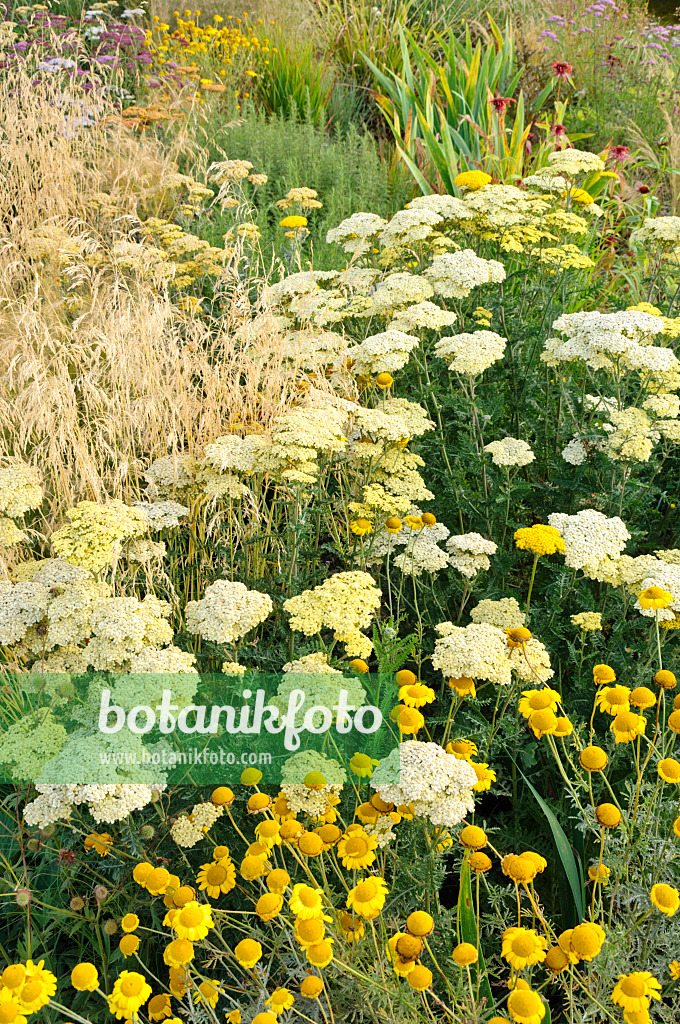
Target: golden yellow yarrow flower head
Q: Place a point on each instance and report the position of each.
(541, 539)
(294, 221)
(579, 195)
(472, 180)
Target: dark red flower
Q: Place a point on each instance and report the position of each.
(561, 68)
(644, 190)
(499, 103)
(558, 130)
(66, 856)
(619, 153)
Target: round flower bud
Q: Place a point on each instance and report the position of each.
(593, 759)
(420, 923)
(473, 837)
(665, 679)
(223, 796)
(464, 954)
(479, 862)
(608, 815)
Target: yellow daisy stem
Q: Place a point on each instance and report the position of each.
(70, 1013)
(599, 865)
(456, 701)
(473, 1001)
(436, 964)
(546, 927)
(558, 760)
(592, 718)
(590, 995)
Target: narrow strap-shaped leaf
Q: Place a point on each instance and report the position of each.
(564, 850)
(467, 927)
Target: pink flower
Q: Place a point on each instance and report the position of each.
(561, 69)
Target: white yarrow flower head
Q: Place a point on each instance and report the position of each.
(227, 612)
(353, 232)
(469, 553)
(574, 161)
(381, 353)
(510, 451)
(454, 274)
(590, 538)
(477, 651)
(657, 229)
(437, 784)
(471, 353)
(575, 452)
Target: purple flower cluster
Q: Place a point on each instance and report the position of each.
(87, 51)
(657, 41)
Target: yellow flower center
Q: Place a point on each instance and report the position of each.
(523, 1003)
(312, 930)
(32, 990)
(357, 846)
(132, 985)
(625, 721)
(308, 897)
(366, 891)
(633, 986)
(13, 976)
(8, 1013)
(216, 874)
(671, 769)
(665, 895)
(524, 945)
(191, 916)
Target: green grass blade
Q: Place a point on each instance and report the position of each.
(467, 925)
(565, 852)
